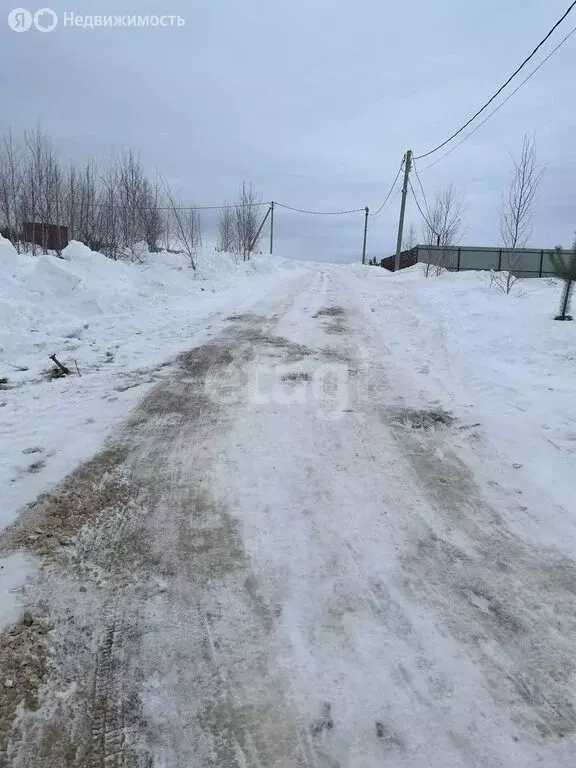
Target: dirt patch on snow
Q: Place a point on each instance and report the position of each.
(335, 355)
(23, 667)
(296, 377)
(247, 317)
(49, 523)
(330, 312)
(291, 351)
(337, 318)
(200, 360)
(426, 419)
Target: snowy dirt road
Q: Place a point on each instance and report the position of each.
(286, 559)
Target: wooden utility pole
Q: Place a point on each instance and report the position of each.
(407, 168)
(365, 235)
(271, 227)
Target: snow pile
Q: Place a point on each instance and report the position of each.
(45, 301)
(115, 322)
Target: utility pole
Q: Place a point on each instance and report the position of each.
(272, 227)
(365, 235)
(407, 168)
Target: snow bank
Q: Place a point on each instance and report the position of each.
(45, 301)
(119, 322)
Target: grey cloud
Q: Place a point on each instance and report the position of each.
(314, 101)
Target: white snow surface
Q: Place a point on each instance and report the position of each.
(119, 322)
(494, 359)
(435, 636)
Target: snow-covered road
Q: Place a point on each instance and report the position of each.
(288, 558)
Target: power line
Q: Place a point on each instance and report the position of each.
(215, 207)
(181, 207)
(320, 213)
(515, 91)
(422, 189)
(390, 202)
(420, 209)
(388, 196)
(499, 91)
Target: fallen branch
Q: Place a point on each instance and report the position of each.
(65, 371)
(20, 368)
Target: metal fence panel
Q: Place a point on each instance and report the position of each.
(478, 259)
(528, 262)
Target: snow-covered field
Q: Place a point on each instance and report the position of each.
(337, 531)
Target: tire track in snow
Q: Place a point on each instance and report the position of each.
(132, 555)
(107, 722)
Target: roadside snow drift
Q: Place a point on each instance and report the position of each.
(113, 324)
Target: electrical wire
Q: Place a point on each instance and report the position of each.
(422, 189)
(320, 213)
(515, 91)
(397, 192)
(428, 224)
(499, 91)
(185, 207)
(389, 195)
(220, 207)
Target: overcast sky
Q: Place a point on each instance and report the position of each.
(313, 101)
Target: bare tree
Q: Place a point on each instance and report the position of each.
(246, 220)
(42, 193)
(444, 225)
(10, 190)
(70, 201)
(186, 224)
(226, 230)
(86, 207)
(151, 215)
(516, 210)
(108, 229)
(132, 190)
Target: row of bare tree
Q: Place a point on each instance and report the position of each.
(111, 210)
(445, 220)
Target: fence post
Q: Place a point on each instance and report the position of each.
(500, 261)
(458, 264)
(541, 262)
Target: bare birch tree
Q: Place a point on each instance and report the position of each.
(444, 225)
(226, 230)
(516, 210)
(152, 218)
(10, 190)
(186, 225)
(108, 227)
(246, 220)
(131, 188)
(42, 194)
(87, 207)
